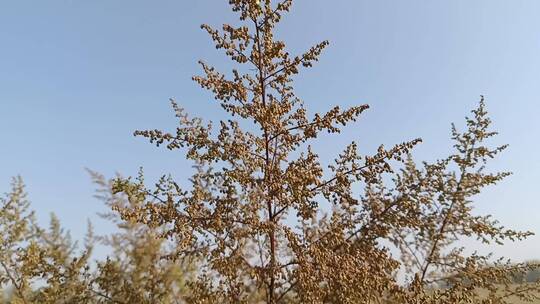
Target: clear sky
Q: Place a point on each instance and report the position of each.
(78, 77)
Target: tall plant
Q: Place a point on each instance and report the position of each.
(271, 224)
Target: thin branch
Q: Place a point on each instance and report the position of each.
(106, 296)
(351, 171)
(14, 282)
(411, 251)
(441, 231)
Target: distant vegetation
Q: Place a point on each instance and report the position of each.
(530, 276)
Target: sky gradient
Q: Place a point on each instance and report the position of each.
(78, 77)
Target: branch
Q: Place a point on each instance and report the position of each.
(440, 233)
(351, 171)
(14, 282)
(106, 296)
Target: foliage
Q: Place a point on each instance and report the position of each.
(269, 223)
(45, 266)
(40, 266)
(139, 270)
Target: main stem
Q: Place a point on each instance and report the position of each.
(267, 176)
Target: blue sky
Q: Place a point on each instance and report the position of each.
(78, 77)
